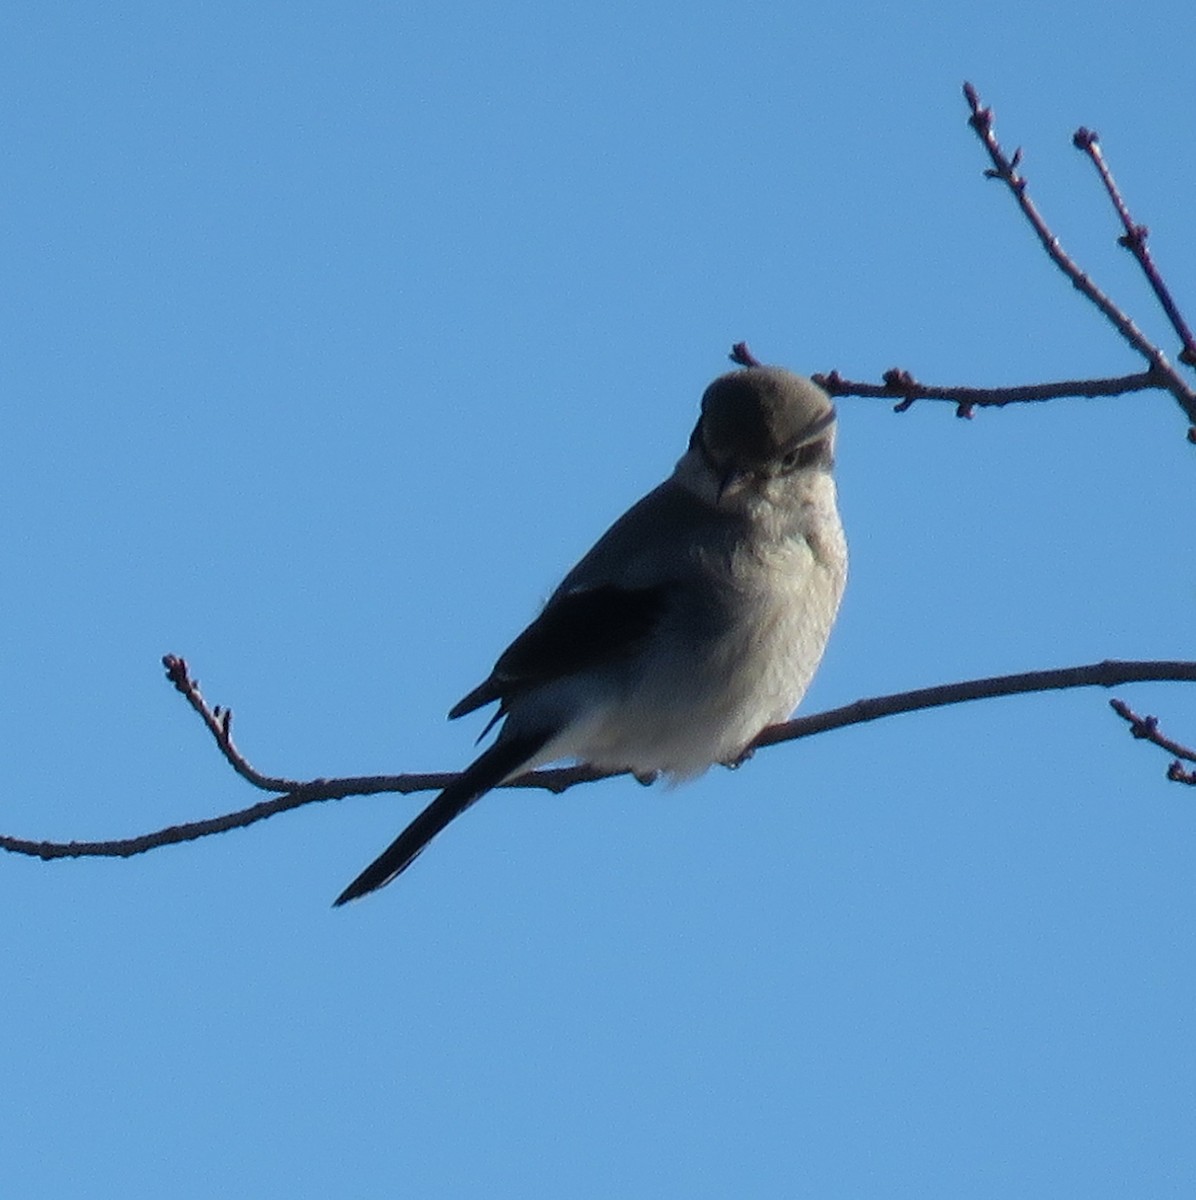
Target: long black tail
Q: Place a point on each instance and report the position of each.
(503, 759)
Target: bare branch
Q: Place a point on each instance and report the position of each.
(305, 793)
(901, 385)
(1005, 168)
(219, 722)
(1110, 673)
(1134, 240)
(743, 356)
(1147, 728)
(1103, 674)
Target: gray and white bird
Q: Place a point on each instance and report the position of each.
(696, 620)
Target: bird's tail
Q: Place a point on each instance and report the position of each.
(500, 762)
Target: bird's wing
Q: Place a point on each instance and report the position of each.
(579, 628)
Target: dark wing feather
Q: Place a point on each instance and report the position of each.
(576, 630)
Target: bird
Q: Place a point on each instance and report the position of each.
(695, 621)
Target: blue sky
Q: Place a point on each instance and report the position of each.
(333, 335)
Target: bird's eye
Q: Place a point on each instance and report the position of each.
(803, 456)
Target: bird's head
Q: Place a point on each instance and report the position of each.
(763, 434)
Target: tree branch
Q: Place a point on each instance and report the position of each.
(1102, 674)
(219, 722)
(899, 384)
(1147, 728)
(1005, 168)
(1134, 240)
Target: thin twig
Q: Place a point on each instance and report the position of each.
(1134, 240)
(743, 356)
(1147, 728)
(219, 722)
(901, 384)
(1005, 168)
(1102, 674)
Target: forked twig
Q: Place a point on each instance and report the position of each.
(901, 385)
(1147, 728)
(1005, 168)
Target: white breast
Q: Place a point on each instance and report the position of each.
(690, 707)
